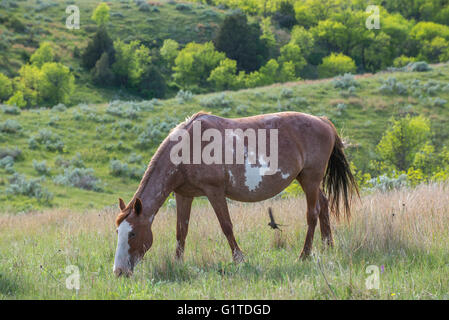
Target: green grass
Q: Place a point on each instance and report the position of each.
(411, 247)
(98, 136)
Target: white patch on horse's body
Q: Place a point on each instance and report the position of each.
(285, 175)
(122, 252)
(231, 177)
(253, 175)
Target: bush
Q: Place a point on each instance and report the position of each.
(123, 109)
(16, 153)
(336, 64)
(184, 96)
(344, 82)
(41, 167)
(183, 7)
(19, 185)
(121, 169)
(10, 126)
(11, 110)
(391, 85)
(82, 178)
(384, 183)
(50, 140)
(60, 107)
(216, 101)
(7, 163)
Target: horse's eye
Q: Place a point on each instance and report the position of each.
(131, 235)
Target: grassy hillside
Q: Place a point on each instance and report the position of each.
(25, 24)
(90, 136)
(403, 233)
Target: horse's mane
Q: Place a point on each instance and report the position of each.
(151, 166)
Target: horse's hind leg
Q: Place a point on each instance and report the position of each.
(310, 183)
(183, 208)
(325, 226)
(218, 202)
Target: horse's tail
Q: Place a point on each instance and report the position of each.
(338, 180)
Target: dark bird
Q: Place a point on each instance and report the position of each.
(272, 223)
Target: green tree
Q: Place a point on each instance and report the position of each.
(101, 14)
(100, 43)
(28, 84)
(17, 100)
(303, 38)
(42, 55)
(224, 76)
(169, 51)
(102, 73)
(5, 87)
(195, 62)
(242, 42)
(131, 61)
(152, 84)
(336, 64)
(291, 52)
(401, 142)
(285, 16)
(56, 83)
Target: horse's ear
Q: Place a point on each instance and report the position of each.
(138, 206)
(121, 204)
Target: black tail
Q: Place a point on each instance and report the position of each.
(338, 181)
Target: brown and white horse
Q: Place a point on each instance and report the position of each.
(308, 148)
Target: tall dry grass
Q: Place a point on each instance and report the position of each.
(406, 232)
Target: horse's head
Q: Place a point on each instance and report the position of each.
(134, 237)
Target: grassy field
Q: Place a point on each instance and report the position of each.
(404, 233)
(101, 133)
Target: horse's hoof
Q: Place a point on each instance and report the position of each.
(238, 257)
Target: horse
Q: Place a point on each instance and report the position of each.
(307, 148)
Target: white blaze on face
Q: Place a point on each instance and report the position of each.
(122, 252)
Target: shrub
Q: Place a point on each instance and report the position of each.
(216, 101)
(184, 96)
(123, 109)
(16, 153)
(82, 178)
(41, 167)
(183, 7)
(345, 81)
(7, 163)
(50, 140)
(11, 110)
(420, 66)
(384, 183)
(19, 185)
(286, 93)
(336, 64)
(391, 85)
(60, 107)
(121, 169)
(10, 126)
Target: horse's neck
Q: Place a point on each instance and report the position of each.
(157, 183)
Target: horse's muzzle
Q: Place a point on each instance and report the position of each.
(122, 272)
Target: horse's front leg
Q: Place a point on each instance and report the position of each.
(183, 208)
(218, 201)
